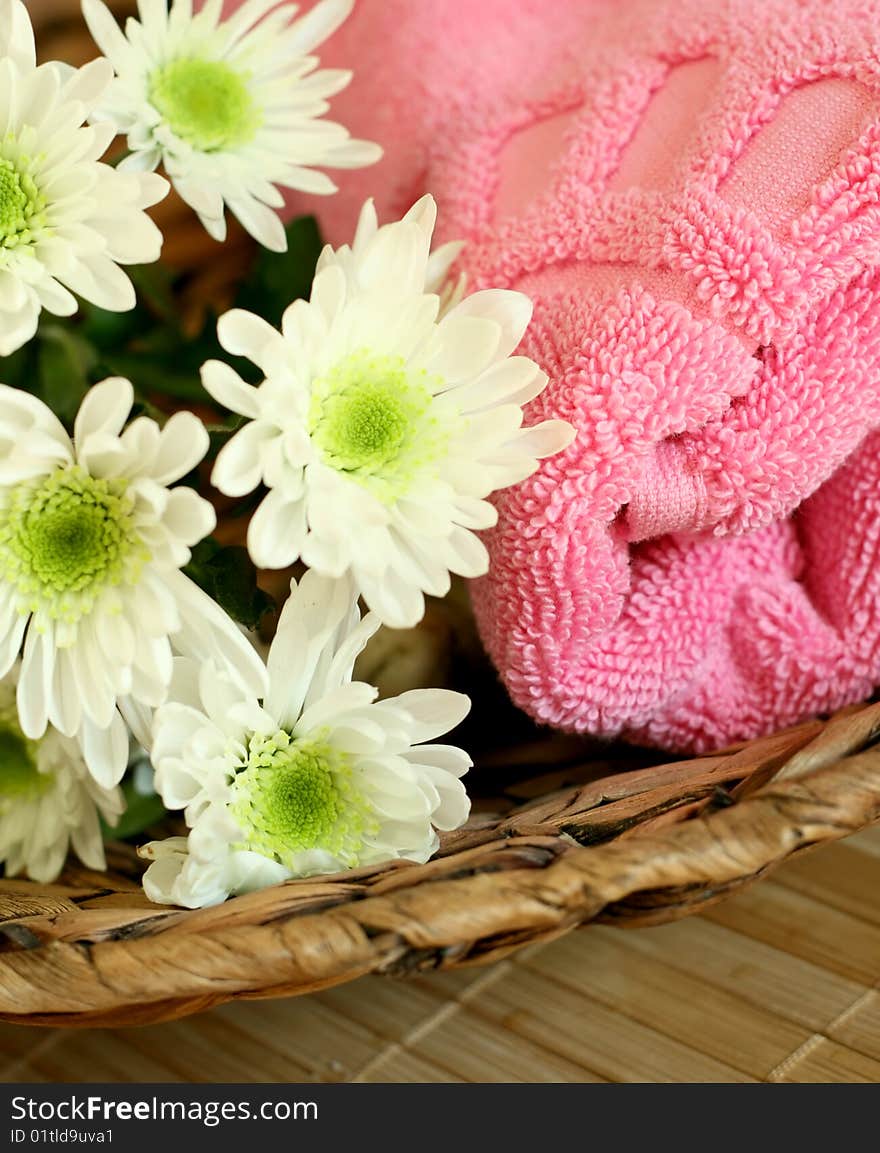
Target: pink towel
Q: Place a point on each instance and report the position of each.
(688, 189)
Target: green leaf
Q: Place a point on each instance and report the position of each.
(158, 374)
(65, 363)
(277, 278)
(20, 369)
(229, 576)
(113, 331)
(154, 284)
(141, 813)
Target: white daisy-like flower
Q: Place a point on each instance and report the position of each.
(67, 221)
(381, 427)
(316, 778)
(49, 802)
(231, 108)
(91, 543)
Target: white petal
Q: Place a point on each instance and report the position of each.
(35, 682)
(433, 711)
(66, 711)
(208, 633)
(449, 758)
(238, 468)
(424, 214)
(317, 618)
(189, 516)
(183, 443)
(244, 334)
(106, 33)
(105, 750)
(160, 879)
(511, 311)
(10, 645)
(465, 553)
(467, 347)
(367, 226)
(473, 513)
(218, 694)
(89, 83)
(395, 260)
(226, 387)
(545, 439)
(260, 221)
(17, 328)
(516, 380)
(328, 555)
(105, 409)
(277, 531)
(329, 291)
(16, 34)
(204, 199)
(319, 23)
(397, 603)
(455, 805)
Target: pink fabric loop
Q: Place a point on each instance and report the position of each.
(669, 497)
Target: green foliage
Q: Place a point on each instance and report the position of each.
(65, 364)
(148, 344)
(280, 277)
(141, 812)
(227, 574)
(56, 366)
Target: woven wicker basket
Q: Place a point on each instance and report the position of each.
(565, 832)
(634, 848)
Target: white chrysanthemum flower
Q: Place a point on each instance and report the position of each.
(67, 221)
(317, 778)
(232, 108)
(49, 801)
(380, 427)
(438, 280)
(91, 543)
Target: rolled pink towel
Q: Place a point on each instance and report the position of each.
(688, 189)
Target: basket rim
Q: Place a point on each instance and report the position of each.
(508, 887)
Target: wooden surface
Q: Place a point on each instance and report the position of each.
(779, 984)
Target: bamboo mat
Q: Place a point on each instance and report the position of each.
(779, 984)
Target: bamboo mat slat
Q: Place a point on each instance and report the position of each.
(778, 984)
(860, 1028)
(868, 841)
(396, 1011)
(481, 1051)
(404, 1068)
(767, 978)
(844, 878)
(703, 1017)
(805, 928)
(827, 1062)
(580, 1029)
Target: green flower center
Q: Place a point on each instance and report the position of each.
(21, 205)
(206, 103)
(296, 795)
(363, 427)
(65, 537)
(20, 780)
(371, 418)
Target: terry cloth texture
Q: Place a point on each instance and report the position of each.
(688, 189)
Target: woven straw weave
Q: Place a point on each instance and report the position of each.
(635, 848)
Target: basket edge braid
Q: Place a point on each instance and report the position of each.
(462, 916)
